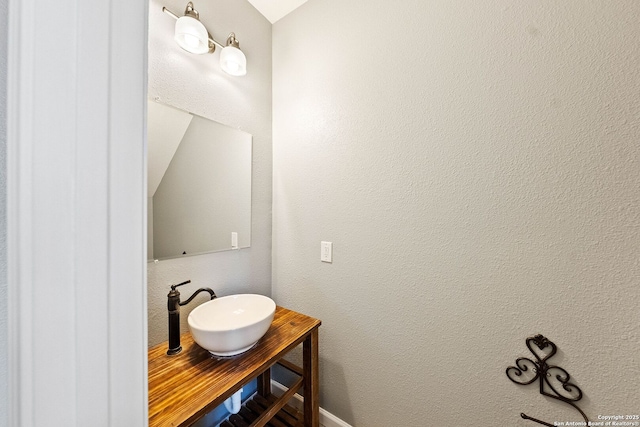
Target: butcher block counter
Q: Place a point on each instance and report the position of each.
(185, 387)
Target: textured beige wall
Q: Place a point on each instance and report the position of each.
(477, 167)
(197, 84)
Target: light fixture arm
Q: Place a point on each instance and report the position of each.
(212, 43)
(190, 11)
(232, 41)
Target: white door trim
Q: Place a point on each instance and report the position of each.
(76, 178)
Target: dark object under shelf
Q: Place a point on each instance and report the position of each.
(554, 381)
(253, 408)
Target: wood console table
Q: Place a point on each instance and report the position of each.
(185, 387)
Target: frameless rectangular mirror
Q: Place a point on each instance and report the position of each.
(199, 184)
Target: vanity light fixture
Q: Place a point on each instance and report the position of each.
(232, 60)
(192, 36)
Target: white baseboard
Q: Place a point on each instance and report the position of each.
(327, 419)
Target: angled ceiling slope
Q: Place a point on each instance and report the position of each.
(273, 10)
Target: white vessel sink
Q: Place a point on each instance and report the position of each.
(230, 325)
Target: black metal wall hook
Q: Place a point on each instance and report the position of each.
(554, 381)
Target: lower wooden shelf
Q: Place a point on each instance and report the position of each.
(256, 406)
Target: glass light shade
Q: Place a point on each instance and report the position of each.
(233, 61)
(191, 35)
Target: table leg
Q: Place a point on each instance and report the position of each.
(264, 383)
(311, 380)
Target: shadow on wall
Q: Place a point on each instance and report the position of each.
(338, 380)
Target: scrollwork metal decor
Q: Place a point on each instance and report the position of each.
(554, 381)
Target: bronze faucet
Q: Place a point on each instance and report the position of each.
(173, 304)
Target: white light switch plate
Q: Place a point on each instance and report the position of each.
(326, 251)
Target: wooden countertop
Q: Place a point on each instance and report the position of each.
(185, 387)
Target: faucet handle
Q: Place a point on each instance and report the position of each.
(173, 287)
